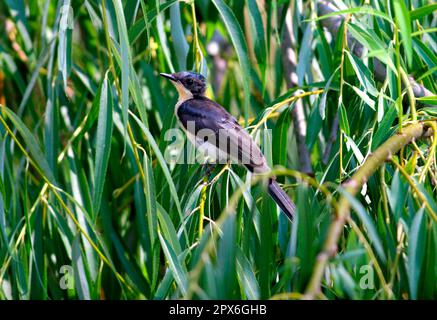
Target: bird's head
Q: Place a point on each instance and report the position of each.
(187, 82)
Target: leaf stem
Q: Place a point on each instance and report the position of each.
(197, 51)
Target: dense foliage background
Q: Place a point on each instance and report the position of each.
(91, 208)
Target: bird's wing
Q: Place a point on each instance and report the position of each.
(212, 123)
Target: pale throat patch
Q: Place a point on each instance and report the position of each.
(184, 94)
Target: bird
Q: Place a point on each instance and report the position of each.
(215, 132)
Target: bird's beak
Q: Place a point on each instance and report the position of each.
(168, 76)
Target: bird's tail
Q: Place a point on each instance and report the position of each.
(281, 198)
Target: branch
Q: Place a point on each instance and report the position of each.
(289, 61)
(352, 187)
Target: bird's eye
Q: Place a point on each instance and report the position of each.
(189, 82)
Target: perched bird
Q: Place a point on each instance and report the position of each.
(217, 133)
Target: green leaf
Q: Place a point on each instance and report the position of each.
(267, 146)
(65, 38)
(344, 123)
(384, 128)
(428, 193)
(162, 163)
(128, 265)
(226, 259)
(168, 231)
(416, 250)
(180, 44)
(167, 281)
(364, 97)
(361, 10)
(103, 143)
(356, 151)
(149, 192)
(404, 23)
(397, 195)
(247, 196)
(39, 64)
(258, 31)
(367, 222)
(370, 40)
(140, 26)
(175, 266)
(305, 54)
(381, 103)
(280, 136)
(268, 217)
(423, 11)
(322, 104)
(134, 87)
(31, 144)
(18, 12)
(126, 60)
(428, 100)
(363, 74)
(240, 45)
(80, 278)
(315, 124)
(163, 41)
(51, 133)
(247, 277)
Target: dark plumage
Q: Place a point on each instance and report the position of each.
(214, 131)
(206, 114)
